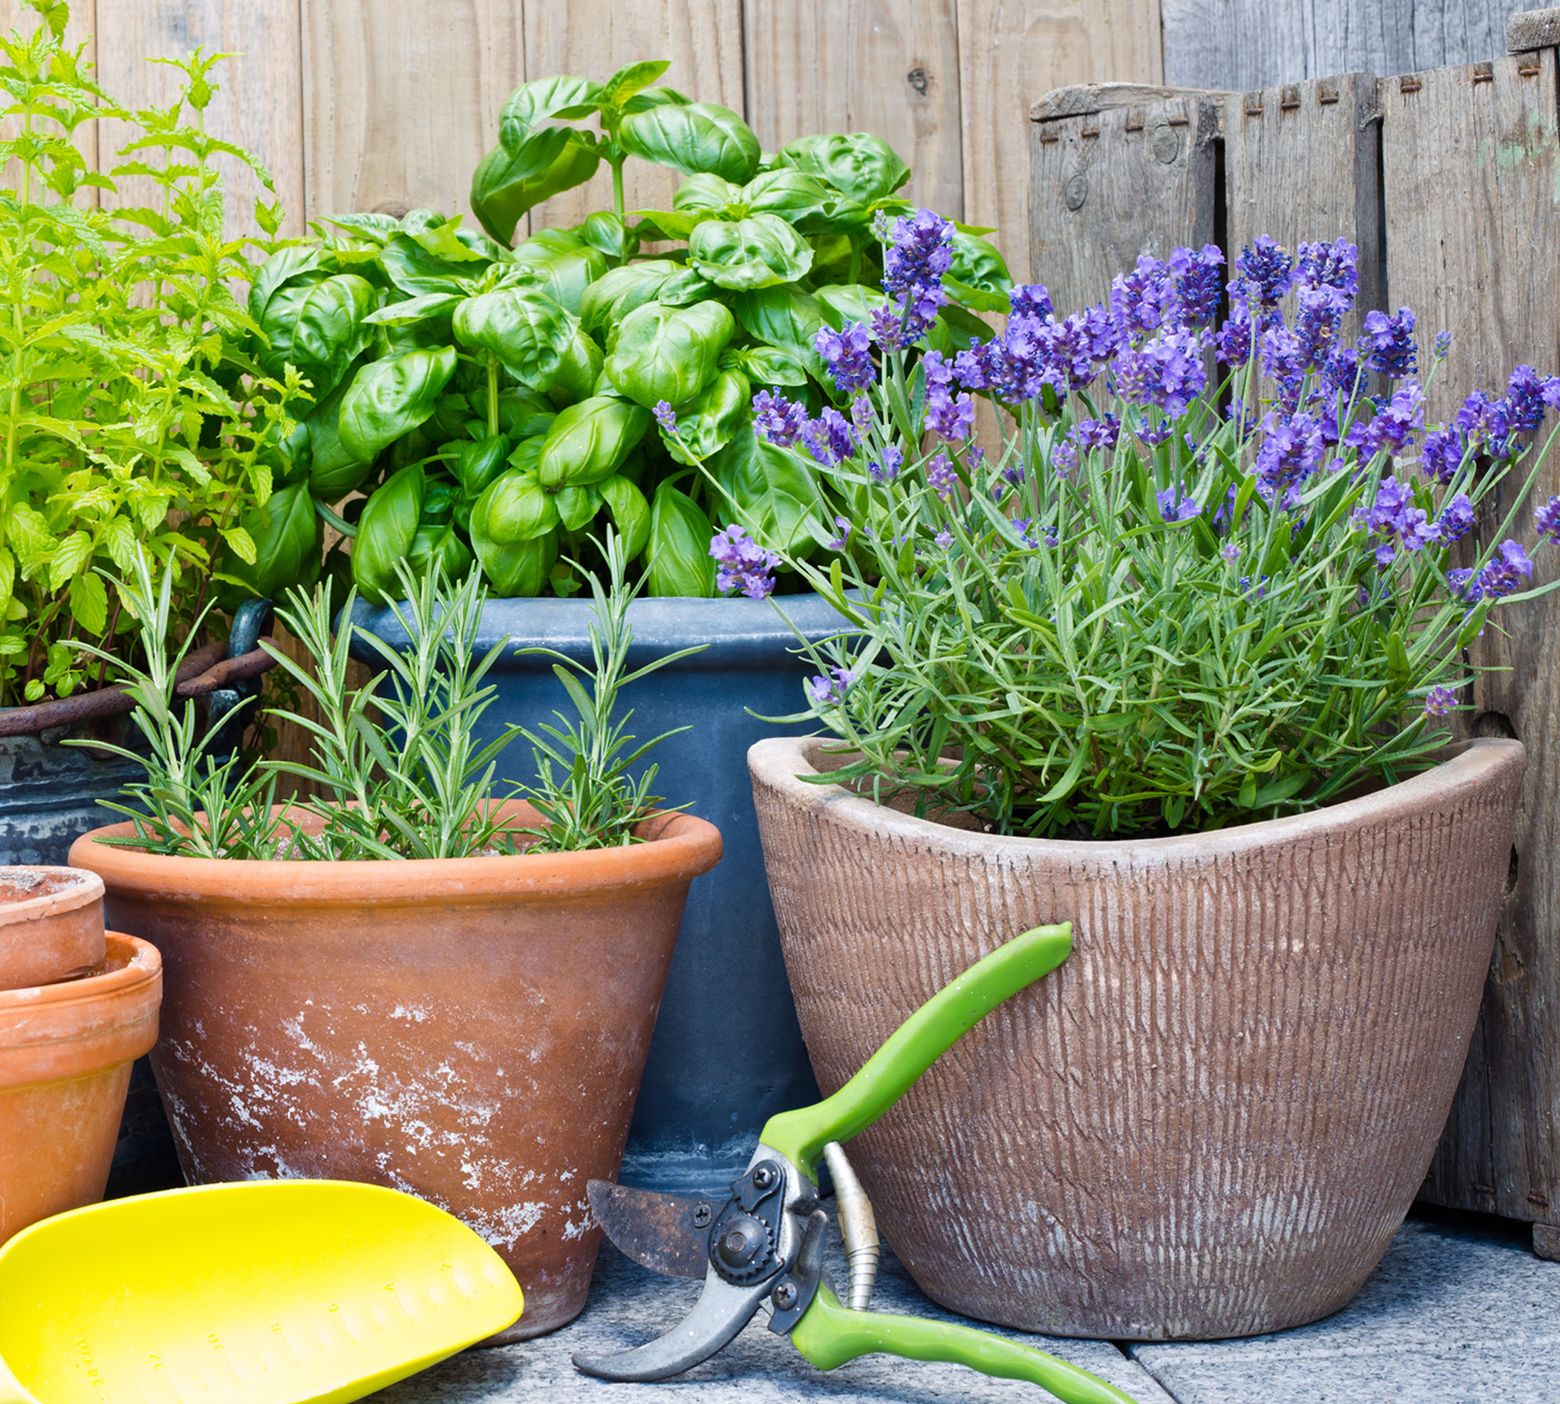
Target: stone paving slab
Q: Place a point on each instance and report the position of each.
(1457, 1313)
(628, 1305)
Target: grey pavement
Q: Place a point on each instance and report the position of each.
(1459, 1312)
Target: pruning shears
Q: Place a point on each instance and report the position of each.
(761, 1247)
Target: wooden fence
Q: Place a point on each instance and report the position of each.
(389, 104)
(1449, 183)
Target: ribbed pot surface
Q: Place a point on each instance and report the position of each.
(1212, 1120)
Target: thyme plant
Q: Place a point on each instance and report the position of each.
(397, 761)
(1217, 572)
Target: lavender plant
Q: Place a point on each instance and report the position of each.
(1217, 571)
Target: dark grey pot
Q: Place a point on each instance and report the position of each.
(727, 1050)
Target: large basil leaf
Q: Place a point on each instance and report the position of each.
(524, 328)
(576, 506)
(562, 95)
(317, 327)
(562, 270)
(389, 397)
(793, 195)
(771, 365)
(679, 546)
(978, 277)
(289, 262)
(785, 315)
(746, 254)
(849, 302)
(386, 530)
(439, 547)
(423, 308)
(589, 441)
(479, 462)
(708, 421)
(578, 371)
(668, 353)
(287, 537)
(634, 78)
(706, 192)
(630, 512)
(768, 491)
(508, 183)
(859, 165)
(333, 470)
(620, 290)
(417, 272)
(514, 507)
(606, 232)
(693, 137)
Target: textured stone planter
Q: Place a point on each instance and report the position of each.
(1212, 1120)
(470, 1030)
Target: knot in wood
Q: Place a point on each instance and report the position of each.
(919, 79)
(1166, 143)
(1076, 191)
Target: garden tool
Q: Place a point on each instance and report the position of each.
(761, 1247)
(268, 1292)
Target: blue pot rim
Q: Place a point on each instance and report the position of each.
(741, 633)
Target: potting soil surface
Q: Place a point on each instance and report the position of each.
(1459, 1312)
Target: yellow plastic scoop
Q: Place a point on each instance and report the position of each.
(270, 1292)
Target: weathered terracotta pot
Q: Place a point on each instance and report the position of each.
(1214, 1117)
(65, 1055)
(51, 925)
(470, 1030)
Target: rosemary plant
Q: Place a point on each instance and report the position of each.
(397, 761)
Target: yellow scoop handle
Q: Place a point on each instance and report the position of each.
(268, 1292)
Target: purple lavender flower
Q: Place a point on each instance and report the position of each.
(1030, 300)
(1175, 506)
(1389, 343)
(847, 353)
(1485, 424)
(1442, 346)
(829, 689)
(1525, 400)
(1230, 551)
(941, 477)
(1395, 423)
(1166, 372)
(743, 564)
(1340, 372)
(1141, 300)
(1397, 519)
(886, 469)
(829, 437)
(943, 540)
(1291, 450)
(1064, 458)
(949, 414)
(861, 415)
(920, 252)
(1439, 701)
(1503, 574)
(1098, 433)
(778, 419)
(1547, 520)
(841, 525)
(1234, 341)
(1153, 433)
(887, 329)
(1197, 281)
(1441, 454)
(665, 416)
(1462, 584)
(1263, 273)
(1456, 519)
(1335, 265)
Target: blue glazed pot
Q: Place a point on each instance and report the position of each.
(727, 1050)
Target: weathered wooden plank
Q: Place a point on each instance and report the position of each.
(703, 40)
(1249, 44)
(1533, 29)
(1301, 162)
(401, 99)
(1119, 183)
(1010, 53)
(1472, 170)
(259, 103)
(862, 65)
(1082, 99)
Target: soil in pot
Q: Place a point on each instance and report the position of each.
(1214, 1117)
(51, 925)
(469, 1030)
(65, 1055)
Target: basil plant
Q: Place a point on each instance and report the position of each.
(474, 399)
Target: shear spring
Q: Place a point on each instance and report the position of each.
(858, 1227)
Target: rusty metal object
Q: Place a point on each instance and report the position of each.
(667, 1233)
(1212, 1120)
(471, 1030)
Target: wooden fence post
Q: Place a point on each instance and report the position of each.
(1472, 162)
(1302, 162)
(1115, 172)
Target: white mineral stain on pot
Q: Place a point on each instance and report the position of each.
(409, 1012)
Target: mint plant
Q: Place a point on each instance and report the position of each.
(1180, 597)
(135, 408)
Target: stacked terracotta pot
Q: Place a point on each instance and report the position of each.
(78, 1005)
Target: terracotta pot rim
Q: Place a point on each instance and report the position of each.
(129, 965)
(678, 848)
(80, 889)
(780, 762)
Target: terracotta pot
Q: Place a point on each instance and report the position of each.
(65, 1055)
(51, 925)
(470, 1030)
(1209, 1122)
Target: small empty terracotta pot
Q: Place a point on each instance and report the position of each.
(65, 1055)
(51, 925)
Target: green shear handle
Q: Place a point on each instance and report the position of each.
(829, 1335)
(916, 1044)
